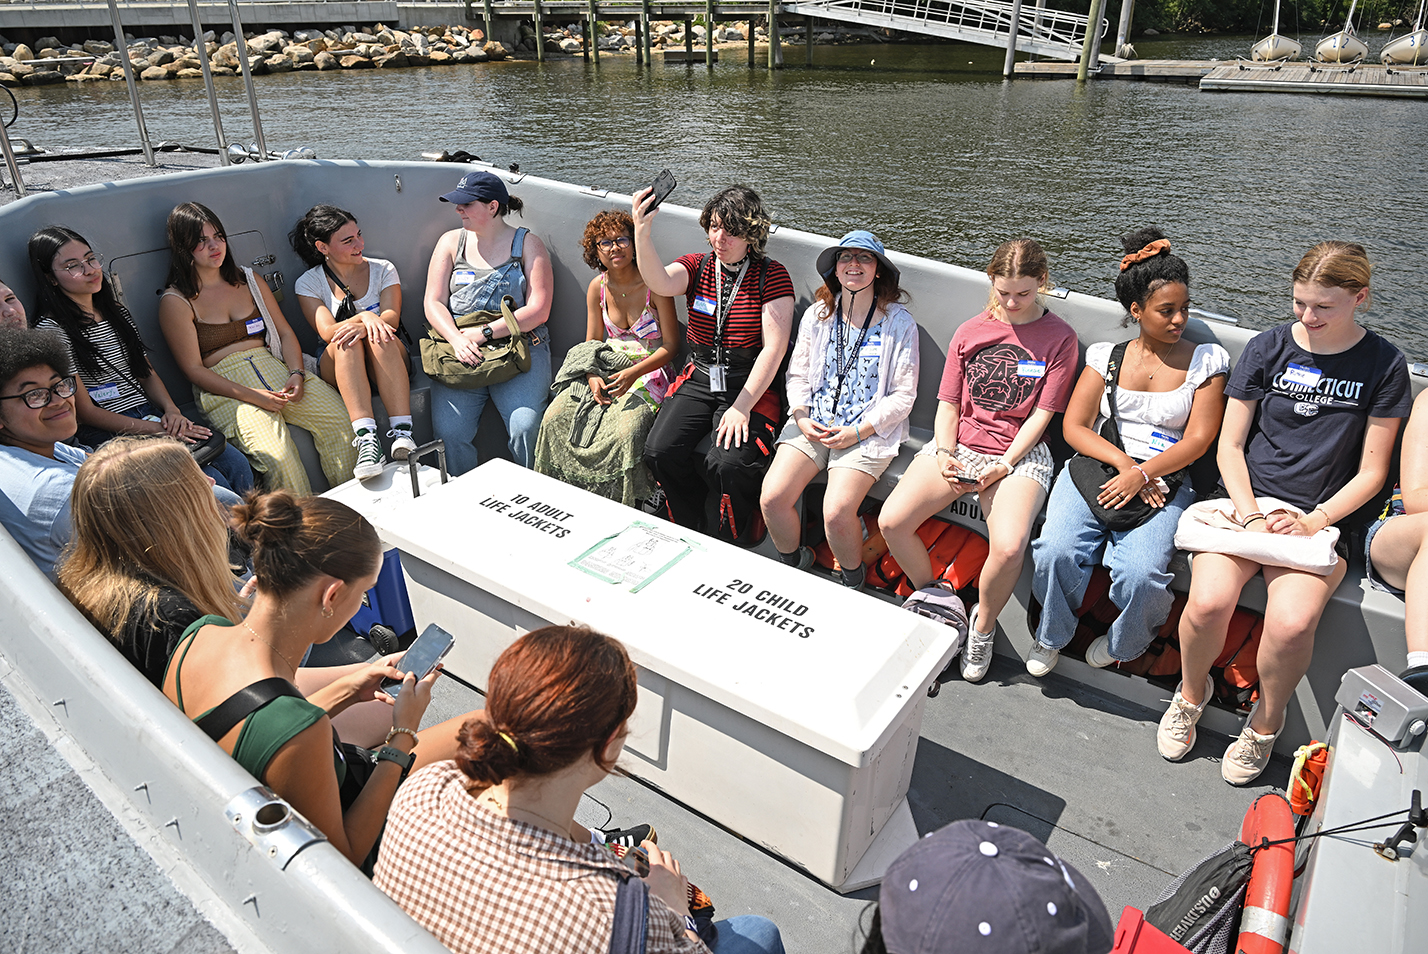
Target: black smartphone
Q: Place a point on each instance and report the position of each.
(663, 185)
(421, 657)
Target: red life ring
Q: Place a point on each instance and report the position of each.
(1264, 925)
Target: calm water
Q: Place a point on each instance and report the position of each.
(924, 144)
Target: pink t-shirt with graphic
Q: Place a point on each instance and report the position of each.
(997, 374)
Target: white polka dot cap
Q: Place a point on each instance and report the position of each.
(975, 887)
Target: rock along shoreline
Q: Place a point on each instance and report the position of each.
(345, 48)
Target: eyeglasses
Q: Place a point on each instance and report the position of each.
(205, 242)
(37, 398)
(619, 241)
(91, 262)
(862, 258)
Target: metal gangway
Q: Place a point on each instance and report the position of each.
(1051, 33)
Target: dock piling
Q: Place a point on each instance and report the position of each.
(751, 42)
(593, 46)
(709, 33)
(807, 41)
(1010, 64)
(539, 33)
(648, 20)
(775, 41)
(1091, 41)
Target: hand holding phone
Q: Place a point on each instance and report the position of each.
(421, 657)
(662, 186)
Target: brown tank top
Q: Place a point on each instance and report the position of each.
(214, 337)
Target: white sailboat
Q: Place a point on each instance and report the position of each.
(1410, 49)
(1344, 46)
(1274, 47)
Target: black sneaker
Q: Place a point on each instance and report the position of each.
(630, 837)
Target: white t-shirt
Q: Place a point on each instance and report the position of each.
(382, 274)
(1151, 421)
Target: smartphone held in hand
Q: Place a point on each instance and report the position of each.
(421, 657)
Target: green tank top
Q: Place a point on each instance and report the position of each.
(268, 728)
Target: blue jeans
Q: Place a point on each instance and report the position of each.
(229, 469)
(1066, 552)
(747, 934)
(456, 412)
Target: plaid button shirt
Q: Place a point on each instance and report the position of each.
(483, 883)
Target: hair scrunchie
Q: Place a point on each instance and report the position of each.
(1150, 251)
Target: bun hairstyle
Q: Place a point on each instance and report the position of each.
(555, 694)
(185, 231)
(317, 226)
(1147, 266)
(295, 541)
(1336, 265)
(1018, 258)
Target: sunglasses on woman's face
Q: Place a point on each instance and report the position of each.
(862, 258)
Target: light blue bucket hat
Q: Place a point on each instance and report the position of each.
(860, 239)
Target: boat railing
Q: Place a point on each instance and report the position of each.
(256, 868)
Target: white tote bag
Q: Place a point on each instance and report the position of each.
(1210, 527)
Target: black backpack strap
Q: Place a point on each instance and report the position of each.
(221, 719)
(632, 901)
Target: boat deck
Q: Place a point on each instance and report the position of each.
(1361, 80)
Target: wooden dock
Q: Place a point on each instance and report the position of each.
(1361, 80)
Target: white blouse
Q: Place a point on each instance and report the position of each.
(1151, 421)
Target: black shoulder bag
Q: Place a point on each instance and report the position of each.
(1088, 473)
(347, 308)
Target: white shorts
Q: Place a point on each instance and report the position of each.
(826, 458)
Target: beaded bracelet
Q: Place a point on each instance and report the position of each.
(1142, 473)
(400, 730)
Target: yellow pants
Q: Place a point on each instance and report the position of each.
(263, 435)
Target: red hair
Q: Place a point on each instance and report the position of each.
(555, 695)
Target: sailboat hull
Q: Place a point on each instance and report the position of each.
(1408, 50)
(1275, 48)
(1342, 47)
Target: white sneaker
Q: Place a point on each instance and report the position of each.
(1176, 735)
(977, 654)
(1041, 660)
(1098, 654)
(369, 456)
(402, 443)
(1249, 754)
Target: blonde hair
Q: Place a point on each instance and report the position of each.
(1018, 258)
(145, 518)
(1336, 265)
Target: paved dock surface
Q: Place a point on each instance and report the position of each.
(1360, 80)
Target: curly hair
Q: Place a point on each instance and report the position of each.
(607, 224)
(1136, 282)
(739, 211)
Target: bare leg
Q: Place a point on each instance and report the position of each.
(788, 475)
(387, 366)
(922, 492)
(1010, 506)
(345, 368)
(1400, 559)
(846, 490)
(1296, 601)
(438, 742)
(366, 723)
(1215, 584)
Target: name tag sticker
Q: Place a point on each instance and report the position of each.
(375, 306)
(103, 392)
(704, 304)
(873, 349)
(1031, 369)
(1298, 374)
(463, 277)
(254, 326)
(1160, 443)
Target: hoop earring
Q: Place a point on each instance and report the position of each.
(327, 612)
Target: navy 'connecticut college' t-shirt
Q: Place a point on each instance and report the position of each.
(1308, 430)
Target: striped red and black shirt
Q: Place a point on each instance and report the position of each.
(744, 327)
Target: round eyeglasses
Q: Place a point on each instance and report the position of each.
(37, 398)
(619, 241)
(91, 262)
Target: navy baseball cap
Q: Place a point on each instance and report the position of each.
(478, 187)
(976, 886)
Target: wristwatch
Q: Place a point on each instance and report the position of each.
(403, 760)
(488, 333)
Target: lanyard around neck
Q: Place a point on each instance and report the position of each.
(842, 364)
(723, 308)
